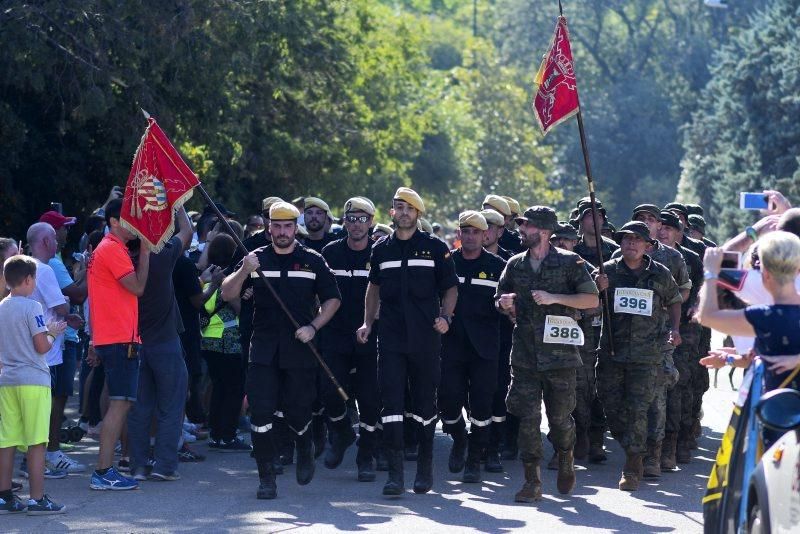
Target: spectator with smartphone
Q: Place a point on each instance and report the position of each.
(114, 286)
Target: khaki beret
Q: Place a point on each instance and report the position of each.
(283, 211)
(472, 218)
(301, 231)
(516, 209)
(410, 197)
(359, 204)
(498, 203)
(314, 202)
(425, 225)
(493, 217)
(267, 203)
(385, 228)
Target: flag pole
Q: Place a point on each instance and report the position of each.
(274, 293)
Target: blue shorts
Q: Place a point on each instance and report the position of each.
(63, 375)
(122, 372)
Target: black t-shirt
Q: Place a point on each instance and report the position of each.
(187, 285)
(318, 244)
(159, 316)
(302, 279)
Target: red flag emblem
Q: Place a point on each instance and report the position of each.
(556, 97)
(159, 183)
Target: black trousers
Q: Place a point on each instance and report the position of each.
(419, 371)
(271, 389)
(226, 372)
(357, 371)
(467, 380)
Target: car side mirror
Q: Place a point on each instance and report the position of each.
(780, 409)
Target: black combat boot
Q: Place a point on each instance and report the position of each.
(472, 469)
(394, 484)
(456, 461)
(319, 431)
(424, 479)
(267, 487)
(342, 436)
(305, 459)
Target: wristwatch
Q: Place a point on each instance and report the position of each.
(751, 233)
(448, 318)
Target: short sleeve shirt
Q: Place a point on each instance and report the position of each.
(159, 316)
(21, 319)
(48, 294)
(777, 334)
(113, 310)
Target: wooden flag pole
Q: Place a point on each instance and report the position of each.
(274, 293)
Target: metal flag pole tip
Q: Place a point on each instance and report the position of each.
(146, 114)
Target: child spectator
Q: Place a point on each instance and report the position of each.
(25, 387)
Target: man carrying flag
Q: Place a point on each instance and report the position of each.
(159, 183)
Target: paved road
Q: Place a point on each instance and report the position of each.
(219, 495)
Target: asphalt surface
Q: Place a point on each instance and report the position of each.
(219, 495)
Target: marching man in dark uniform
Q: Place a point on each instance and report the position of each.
(509, 239)
(408, 272)
(282, 374)
(544, 289)
(470, 349)
(348, 258)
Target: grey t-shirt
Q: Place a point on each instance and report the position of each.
(20, 319)
(159, 316)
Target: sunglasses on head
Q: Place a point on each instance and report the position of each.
(356, 218)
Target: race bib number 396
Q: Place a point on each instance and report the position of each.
(633, 301)
(562, 330)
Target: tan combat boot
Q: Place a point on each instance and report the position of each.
(652, 461)
(630, 472)
(668, 462)
(565, 482)
(532, 488)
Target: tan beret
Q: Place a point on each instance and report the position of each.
(411, 197)
(359, 204)
(314, 202)
(267, 203)
(516, 209)
(493, 217)
(283, 211)
(498, 203)
(425, 225)
(301, 231)
(472, 218)
(385, 228)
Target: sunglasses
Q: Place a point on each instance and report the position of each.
(356, 218)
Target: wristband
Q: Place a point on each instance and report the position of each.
(751, 233)
(730, 360)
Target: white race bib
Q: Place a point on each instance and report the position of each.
(633, 301)
(562, 330)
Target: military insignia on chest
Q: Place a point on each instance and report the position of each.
(482, 275)
(367, 266)
(423, 254)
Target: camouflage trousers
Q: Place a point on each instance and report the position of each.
(627, 390)
(585, 390)
(681, 400)
(665, 381)
(528, 389)
(700, 379)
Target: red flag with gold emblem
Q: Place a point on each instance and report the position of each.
(159, 183)
(556, 97)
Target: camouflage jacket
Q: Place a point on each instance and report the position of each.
(560, 272)
(590, 253)
(638, 338)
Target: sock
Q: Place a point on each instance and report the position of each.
(102, 471)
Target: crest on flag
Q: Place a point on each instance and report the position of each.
(159, 183)
(556, 98)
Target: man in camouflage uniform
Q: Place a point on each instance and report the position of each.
(680, 401)
(668, 375)
(544, 288)
(643, 292)
(565, 237)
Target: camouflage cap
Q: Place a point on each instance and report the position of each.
(677, 206)
(698, 223)
(671, 219)
(634, 228)
(540, 216)
(565, 231)
(695, 209)
(652, 209)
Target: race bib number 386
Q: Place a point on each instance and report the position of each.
(562, 330)
(633, 301)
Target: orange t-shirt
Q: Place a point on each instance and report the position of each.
(113, 310)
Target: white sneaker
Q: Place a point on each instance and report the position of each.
(188, 437)
(61, 462)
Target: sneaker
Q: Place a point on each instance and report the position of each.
(64, 446)
(188, 437)
(124, 465)
(234, 445)
(112, 480)
(11, 506)
(214, 443)
(164, 477)
(141, 473)
(59, 461)
(185, 454)
(52, 474)
(45, 506)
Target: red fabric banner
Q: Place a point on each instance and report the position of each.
(556, 97)
(159, 183)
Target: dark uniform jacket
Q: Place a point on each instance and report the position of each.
(638, 338)
(476, 320)
(590, 254)
(694, 264)
(301, 279)
(412, 275)
(511, 242)
(319, 244)
(698, 247)
(560, 272)
(351, 269)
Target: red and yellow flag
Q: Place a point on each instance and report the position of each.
(159, 183)
(556, 98)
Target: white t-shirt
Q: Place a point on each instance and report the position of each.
(48, 294)
(753, 291)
